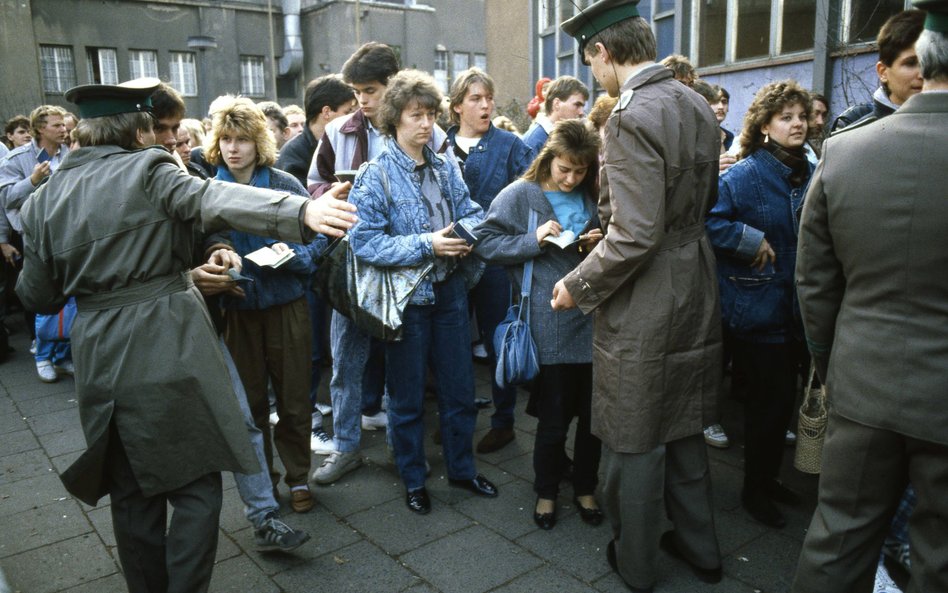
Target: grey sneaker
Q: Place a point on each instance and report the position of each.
(715, 436)
(375, 422)
(46, 372)
(336, 465)
(275, 535)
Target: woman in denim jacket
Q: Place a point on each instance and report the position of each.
(409, 200)
(560, 188)
(753, 228)
(267, 327)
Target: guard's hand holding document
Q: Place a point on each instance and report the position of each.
(268, 257)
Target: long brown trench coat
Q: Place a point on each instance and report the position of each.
(115, 229)
(652, 281)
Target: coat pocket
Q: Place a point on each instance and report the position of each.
(760, 304)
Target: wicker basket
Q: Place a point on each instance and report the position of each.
(812, 428)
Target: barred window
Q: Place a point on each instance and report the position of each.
(59, 70)
(252, 79)
(102, 65)
(143, 63)
(183, 73)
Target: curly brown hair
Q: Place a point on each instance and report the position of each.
(770, 100)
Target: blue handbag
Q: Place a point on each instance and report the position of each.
(517, 361)
(56, 328)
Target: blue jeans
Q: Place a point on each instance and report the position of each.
(443, 331)
(358, 380)
(55, 352)
(491, 298)
(256, 490)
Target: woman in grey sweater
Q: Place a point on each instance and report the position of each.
(560, 187)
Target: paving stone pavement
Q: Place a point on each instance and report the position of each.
(363, 537)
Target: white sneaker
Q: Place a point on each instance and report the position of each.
(336, 465)
(324, 409)
(274, 418)
(65, 368)
(790, 438)
(320, 442)
(479, 351)
(46, 372)
(379, 420)
(715, 436)
(33, 347)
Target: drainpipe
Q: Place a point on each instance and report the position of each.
(291, 62)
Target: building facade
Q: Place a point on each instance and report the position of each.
(826, 45)
(263, 49)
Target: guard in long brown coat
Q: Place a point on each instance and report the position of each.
(651, 283)
(114, 228)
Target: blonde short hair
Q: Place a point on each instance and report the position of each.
(240, 117)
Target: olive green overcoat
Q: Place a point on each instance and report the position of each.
(115, 229)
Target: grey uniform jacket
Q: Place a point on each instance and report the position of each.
(116, 230)
(563, 337)
(872, 270)
(652, 280)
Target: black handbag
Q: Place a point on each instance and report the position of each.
(517, 361)
(373, 297)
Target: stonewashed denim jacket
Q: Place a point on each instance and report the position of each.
(756, 201)
(395, 230)
(497, 160)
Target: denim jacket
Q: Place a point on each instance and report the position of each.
(497, 160)
(271, 287)
(756, 201)
(394, 228)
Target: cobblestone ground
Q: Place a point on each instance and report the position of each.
(364, 539)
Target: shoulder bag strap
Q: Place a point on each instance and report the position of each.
(527, 282)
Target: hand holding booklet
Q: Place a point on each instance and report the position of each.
(564, 240)
(267, 257)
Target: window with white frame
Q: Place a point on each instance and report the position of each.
(462, 61)
(59, 70)
(251, 76)
(440, 72)
(183, 73)
(142, 63)
(102, 65)
(480, 61)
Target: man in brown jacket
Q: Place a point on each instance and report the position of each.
(653, 286)
(872, 277)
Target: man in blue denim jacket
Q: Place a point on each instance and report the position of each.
(491, 159)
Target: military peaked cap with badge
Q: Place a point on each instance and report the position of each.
(937, 19)
(597, 17)
(100, 100)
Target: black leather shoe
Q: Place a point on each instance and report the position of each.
(478, 485)
(545, 521)
(780, 493)
(611, 557)
(705, 575)
(590, 516)
(418, 501)
(761, 508)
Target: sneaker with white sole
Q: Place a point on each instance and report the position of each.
(324, 409)
(320, 442)
(375, 422)
(33, 347)
(275, 535)
(65, 368)
(715, 436)
(336, 465)
(790, 438)
(46, 372)
(274, 418)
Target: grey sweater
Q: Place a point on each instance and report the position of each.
(563, 337)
